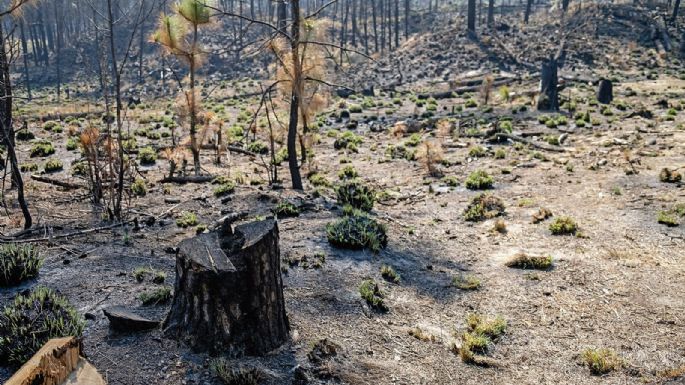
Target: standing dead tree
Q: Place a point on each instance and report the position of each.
(300, 54)
(6, 97)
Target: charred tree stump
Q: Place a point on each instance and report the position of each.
(605, 92)
(549, 97)
(229, 292)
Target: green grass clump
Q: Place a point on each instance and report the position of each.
(450, 180)
(258, 147)
(480, 334)
(372, 294)
(318, 180)
(471, 103)
(139, 273)
(156, 297)
(285, 209)
(42, 148)
(72, 144)
(28, 167)
(482, 207)
(53, 165)
(525, 261)
(668, 218)
(601, 361)
(52, 125)
(225, 188)
(413, 140)
(187, 219)
(18, 263)
(348, 172)
(389, 274)
(500, 153)
(563, 226)
(466, 282)
(147, 156)
(478, 152)
(357, 231)
(356, 194)
(348, 140)
(139, 188)
(31, 320)
(479, 180)
(24, 135)
(231, 375)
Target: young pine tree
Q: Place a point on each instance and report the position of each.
(178, 34)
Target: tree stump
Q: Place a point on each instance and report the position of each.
(229, 292)
(605, 93)
(549, 97)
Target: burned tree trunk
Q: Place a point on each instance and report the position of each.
(549, 98)
(228, 292)
(605, 93)
(471, 17)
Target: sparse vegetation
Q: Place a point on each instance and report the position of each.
(601, 361)
(466, 282)
(356, 194)
(389, 274)
(156, 297)
(357, 231)
(372, 294)
(563, 226)
(187, 219)
(479, 180)
(526, 261)
(484, 206)
(18, 263)
(31, 320)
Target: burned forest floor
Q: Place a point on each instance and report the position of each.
(616, 281)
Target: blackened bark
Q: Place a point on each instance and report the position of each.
(549, 98)
(471, 17)
(605, 93)
(229, 291)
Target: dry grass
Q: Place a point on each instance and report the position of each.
(525, 261)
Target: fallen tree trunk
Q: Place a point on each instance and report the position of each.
(461, 90)
(228, 294)
(497, 137)
(188, 179)
(57, 182)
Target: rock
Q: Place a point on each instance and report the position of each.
(124, 320)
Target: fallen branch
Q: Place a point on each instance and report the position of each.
(57, 182)
(517, 138)
(66, 235)
(461, 90)
(188, 179)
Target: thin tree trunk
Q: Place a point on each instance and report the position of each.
(8, 130)
(295, 98)
(471, 16)
(117, 89)
(25, 51)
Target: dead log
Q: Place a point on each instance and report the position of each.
(461, 90)
(57, 182)
(228, 294)
(498, 137)
(188, 179)
(605, 93)
(57, 362)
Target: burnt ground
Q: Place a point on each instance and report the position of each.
(619, 284)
